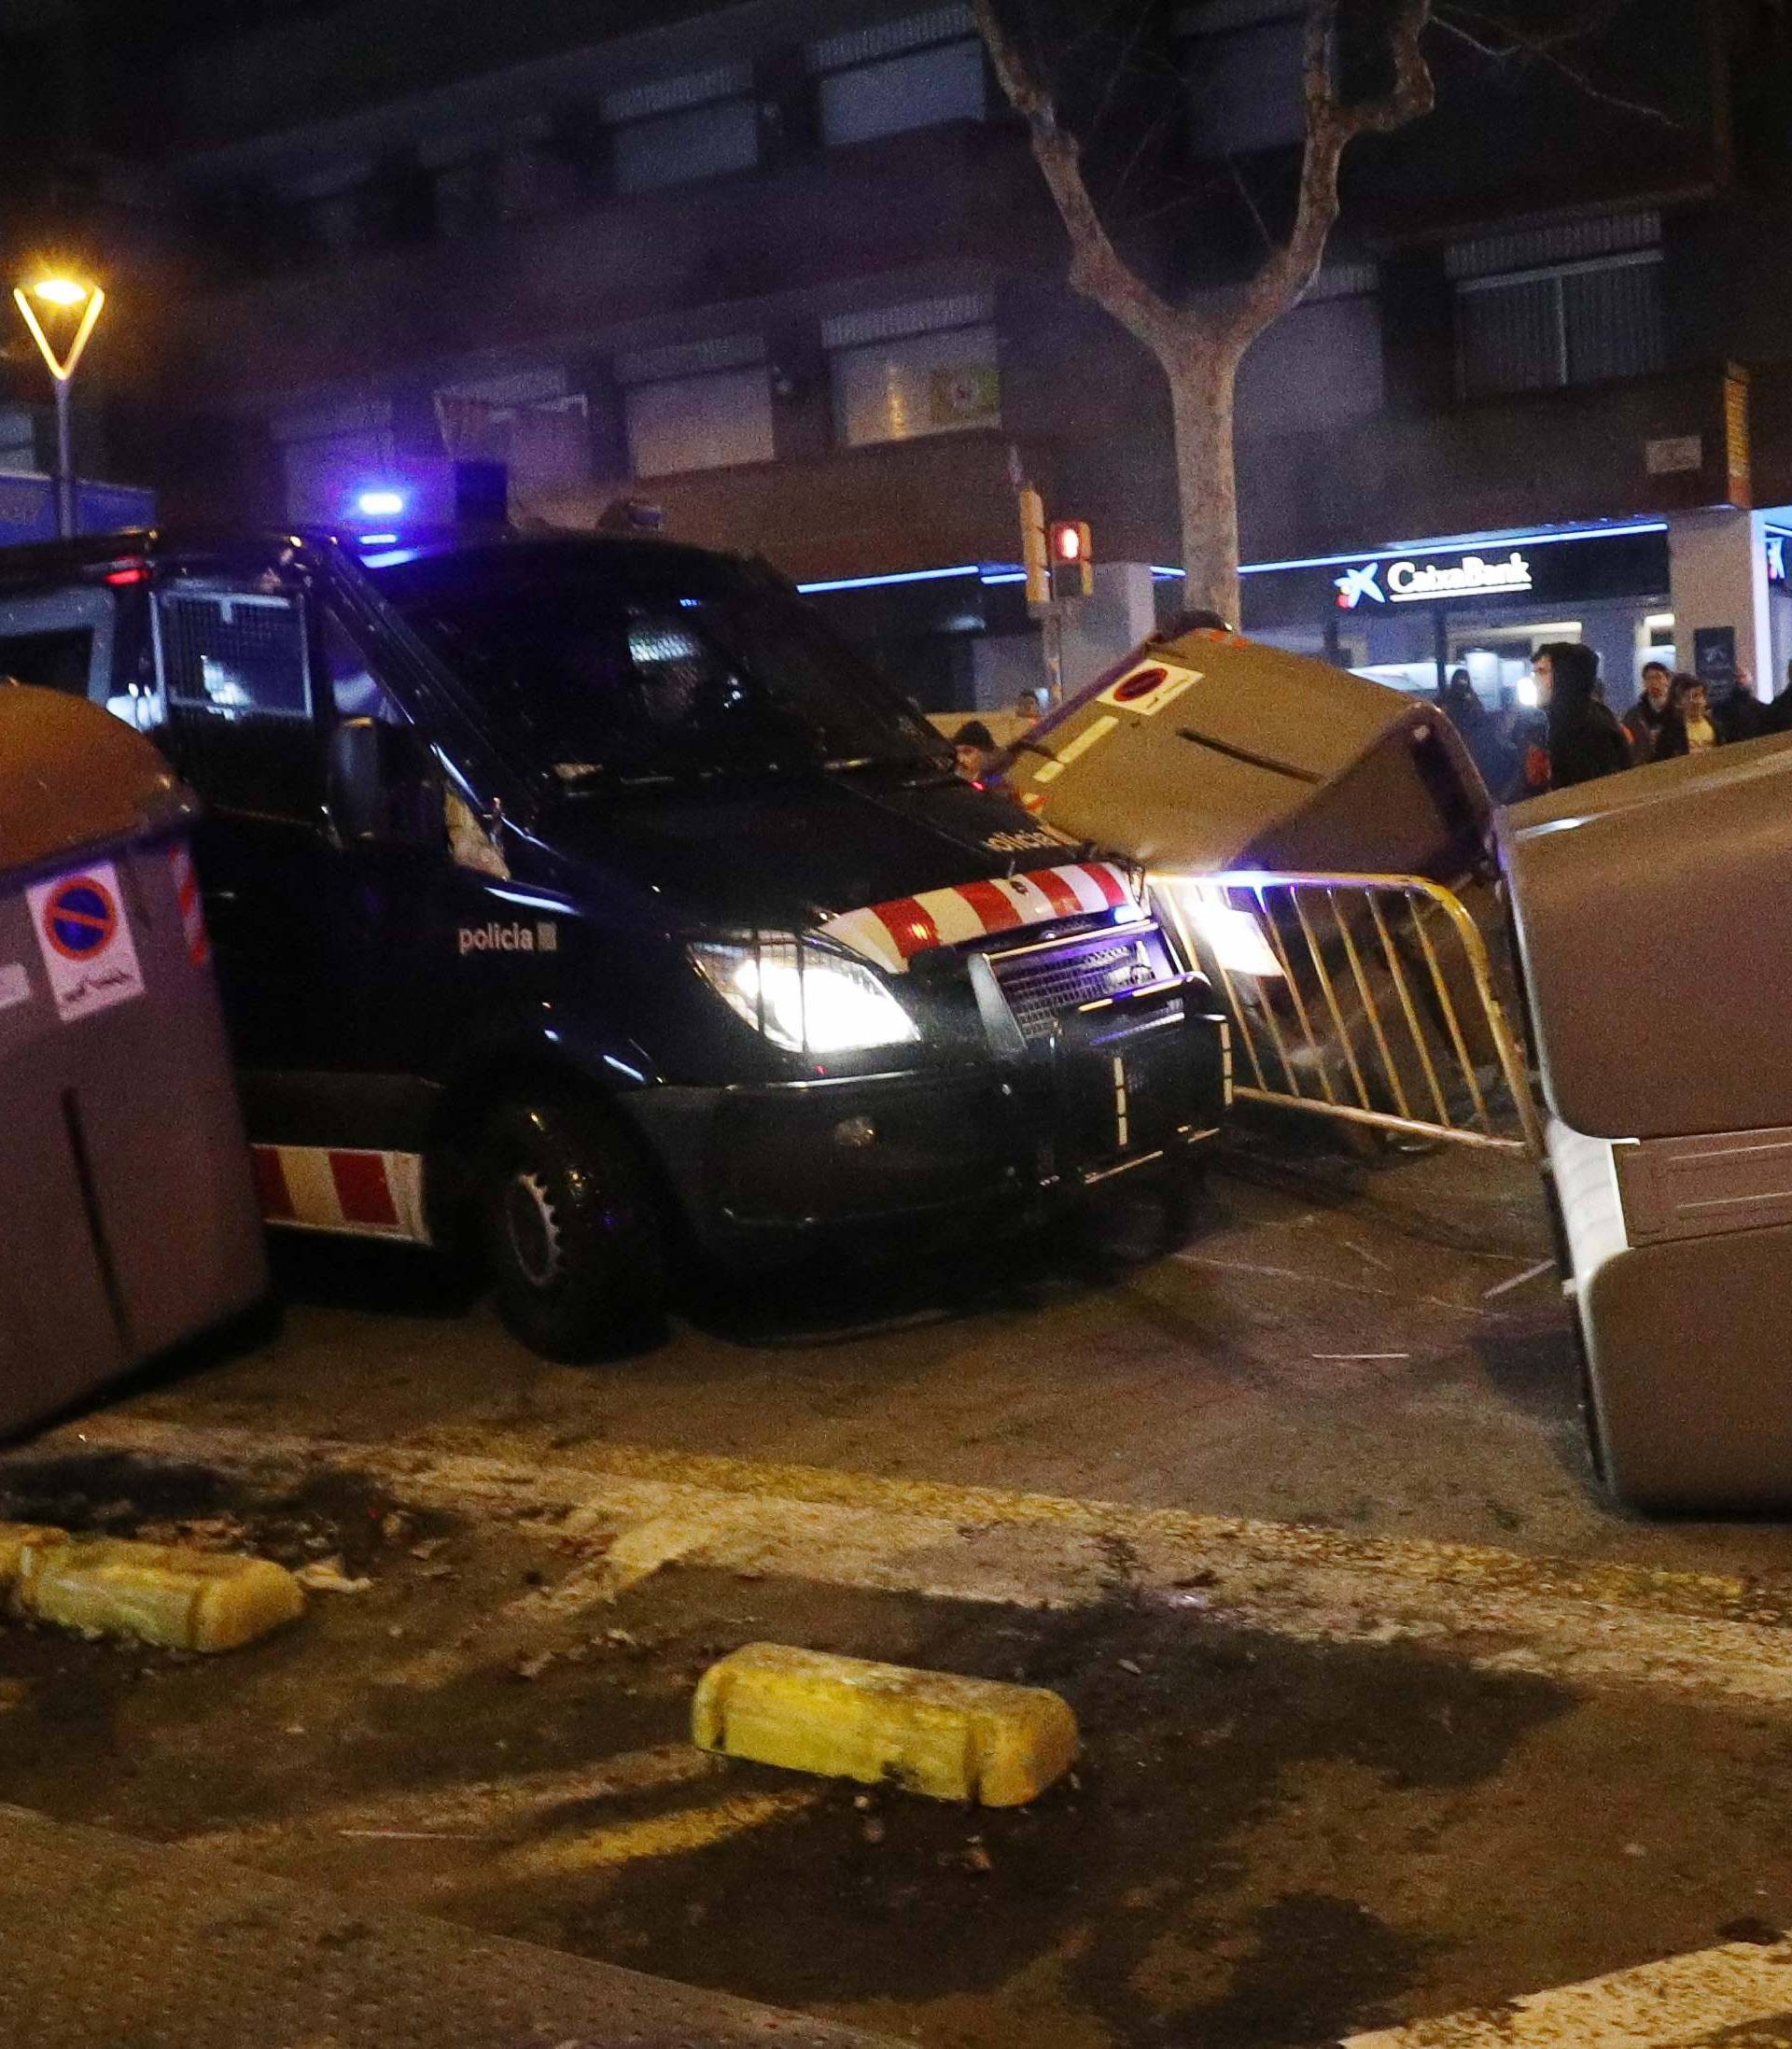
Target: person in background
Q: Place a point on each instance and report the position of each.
(1479, 729)
(1742, 716)
(1651, 712)
(1030, 705)
(1691, 729)
(1581, 739)
(1192, 619)
(974, 746)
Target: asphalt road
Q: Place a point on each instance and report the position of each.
(1333, 1344)
(1339, 1774)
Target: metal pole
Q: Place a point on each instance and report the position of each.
(64, 460)
(1054, 643)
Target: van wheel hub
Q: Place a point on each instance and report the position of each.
(533, 1229)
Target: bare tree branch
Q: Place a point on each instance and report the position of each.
(1097, 270)
(1546, 51)
(1582, 22)
(1332, 126)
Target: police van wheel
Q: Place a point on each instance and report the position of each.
(576, 1255)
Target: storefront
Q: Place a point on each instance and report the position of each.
(1410, 615)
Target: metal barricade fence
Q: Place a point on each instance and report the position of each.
(1366, 999)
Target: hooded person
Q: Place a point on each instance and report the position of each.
(1580, 739)
(1479, 730)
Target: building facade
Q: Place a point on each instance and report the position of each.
(787, 270)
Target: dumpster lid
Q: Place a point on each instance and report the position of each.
(72, 775)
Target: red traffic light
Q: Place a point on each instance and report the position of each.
(1070, 540)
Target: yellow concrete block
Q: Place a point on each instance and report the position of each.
(15, 1539)
(930, 1732)
(162, 1594)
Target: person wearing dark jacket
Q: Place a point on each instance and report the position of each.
(1487, 745)
(1742, 716)
(1581, 739)
(1646, 717)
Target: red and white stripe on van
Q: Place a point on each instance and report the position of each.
(334, 1189)
(892, 933)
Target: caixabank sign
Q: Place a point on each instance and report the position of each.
(1546, 567)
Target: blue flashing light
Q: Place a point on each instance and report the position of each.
(378, 541)
(380, 504)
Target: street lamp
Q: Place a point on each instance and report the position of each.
(63, 294)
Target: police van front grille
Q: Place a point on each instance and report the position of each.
(1039, 984)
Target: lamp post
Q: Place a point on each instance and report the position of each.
(63, 295)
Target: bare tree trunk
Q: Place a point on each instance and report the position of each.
(1202, 382)
(1201, 348)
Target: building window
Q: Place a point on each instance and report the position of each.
(1575, 305)
(332, 455)
(912, 72)
(1242, 62)
(465, 197)
(1320, 366)
(679, 128)
(17, 439)
(705, 405)
(901, 372)
(530, 422)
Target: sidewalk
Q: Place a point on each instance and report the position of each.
(115, 1941)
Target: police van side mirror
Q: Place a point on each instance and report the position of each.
(383, 783)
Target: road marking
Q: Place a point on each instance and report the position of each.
(484, 1807)
(1579, 1623)
(1517, 1280)
(634, 1554)
(654, 1835)
(1326, 1281)
(1675, 2004)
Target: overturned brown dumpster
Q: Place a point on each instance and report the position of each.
(1213, 753)
(1322, 844)
(1655, 925)
(127, 1217)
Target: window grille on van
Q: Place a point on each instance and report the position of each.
(239, 698)
(1041, 983)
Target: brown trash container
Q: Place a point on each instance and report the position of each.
(126, 1212)
(1214, 752)
(1655, 927)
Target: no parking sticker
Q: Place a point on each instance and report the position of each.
(85, 939)
(1147, 690)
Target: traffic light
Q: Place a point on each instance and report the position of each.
(1072, 559)
(1033, 551)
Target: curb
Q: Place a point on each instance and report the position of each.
(168, 1594)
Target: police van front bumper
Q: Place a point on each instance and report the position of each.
(1127, 1088)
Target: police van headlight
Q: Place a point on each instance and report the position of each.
(804, 997)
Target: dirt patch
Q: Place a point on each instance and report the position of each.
(1194, 1737)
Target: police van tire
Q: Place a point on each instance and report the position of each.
(576, 1253)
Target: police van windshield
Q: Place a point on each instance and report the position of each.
(669, 671)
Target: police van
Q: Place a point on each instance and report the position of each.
(577, 898)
